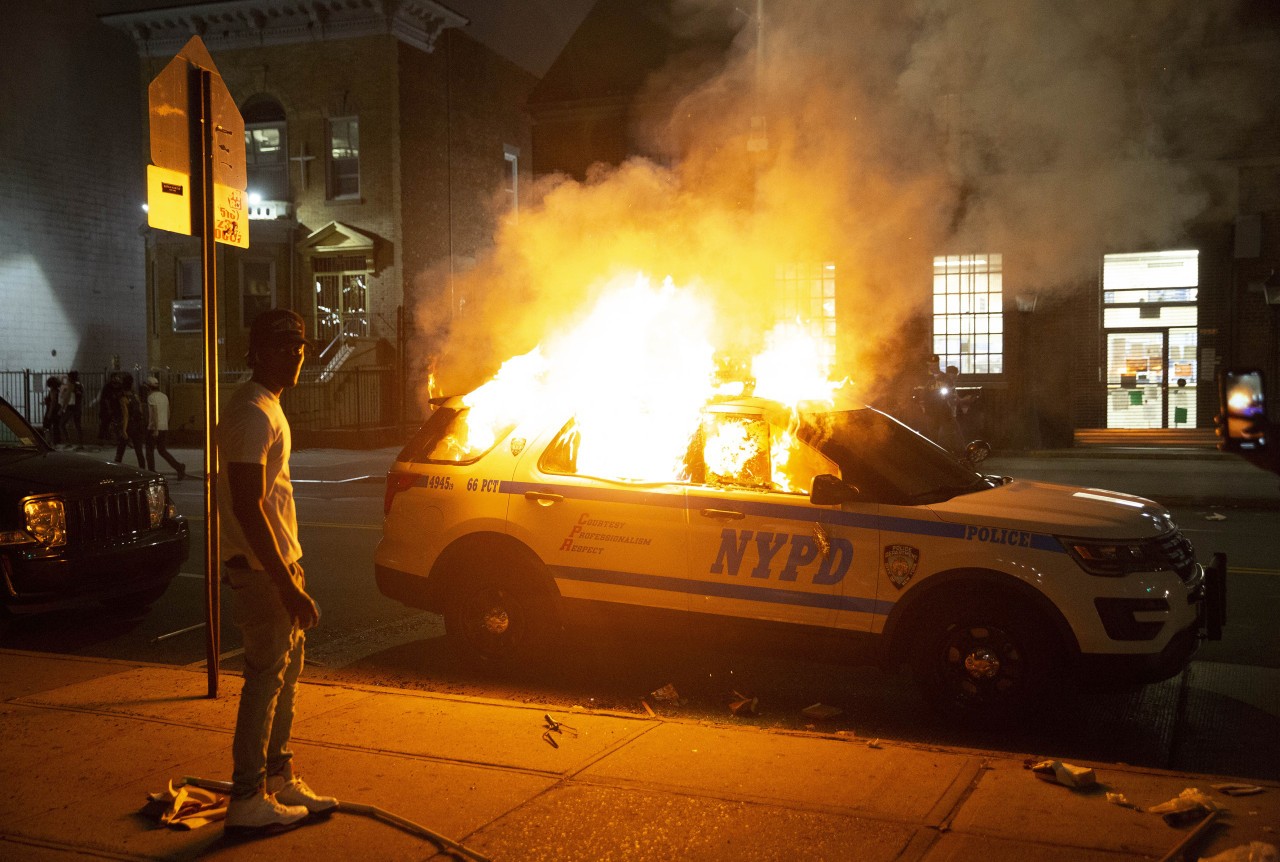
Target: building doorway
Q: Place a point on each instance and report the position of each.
(1150, 314)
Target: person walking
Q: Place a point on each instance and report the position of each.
(109, 408)
(130, 424)
(269, 600)
(52, 423)
(71, 402)
(158, 429)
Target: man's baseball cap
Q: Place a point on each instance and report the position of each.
(153, 382)
(278, 326)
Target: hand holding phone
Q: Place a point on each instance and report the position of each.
(1243, 411)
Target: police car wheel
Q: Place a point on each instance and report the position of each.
(495, 621)
(982, 660)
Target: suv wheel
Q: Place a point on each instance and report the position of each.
(982, 660)
(496, 620)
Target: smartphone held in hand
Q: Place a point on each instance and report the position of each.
(1240, 393)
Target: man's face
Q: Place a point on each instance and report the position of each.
(281, 364)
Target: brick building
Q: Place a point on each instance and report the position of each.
(383, 144)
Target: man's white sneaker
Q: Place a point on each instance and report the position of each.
(296, 792)
(262, 813)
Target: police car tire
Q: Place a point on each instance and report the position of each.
(496, 620)
(982, 659)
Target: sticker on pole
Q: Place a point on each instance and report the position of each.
(230, 216)
(169, 200)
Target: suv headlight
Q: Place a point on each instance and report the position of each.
(1114, 559)
(156, 502)
(46, 522)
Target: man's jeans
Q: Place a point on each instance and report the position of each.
(273, 648)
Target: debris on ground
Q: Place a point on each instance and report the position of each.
(821, 710)
(666, 694)
(1238, 789)
(550, 740)
(185, 807)
(1254, 851)
(743, 705)
(874, 743)
(648, 709)
(1066, 774)
(1187, 807)
(1121, 800)
(1216, 516)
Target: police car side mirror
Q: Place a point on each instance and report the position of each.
(828, 490)
(977, 452)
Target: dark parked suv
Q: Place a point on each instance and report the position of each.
(76, 529)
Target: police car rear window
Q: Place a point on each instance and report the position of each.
(446, 438)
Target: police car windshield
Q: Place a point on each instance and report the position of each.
(886, 459)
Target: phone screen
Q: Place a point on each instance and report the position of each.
(1242, 406)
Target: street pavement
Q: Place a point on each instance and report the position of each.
(85, 740)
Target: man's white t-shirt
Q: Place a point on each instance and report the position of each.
(253, 430)
(157, 411)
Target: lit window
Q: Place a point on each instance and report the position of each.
(266, 160)
(341, 297)
(344, 158)
(807, 296)
(188, 304)
(968, 321)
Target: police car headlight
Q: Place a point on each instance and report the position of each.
(1112, 559)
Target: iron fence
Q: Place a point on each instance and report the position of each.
(354, 399)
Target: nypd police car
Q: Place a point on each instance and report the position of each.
(861, 531)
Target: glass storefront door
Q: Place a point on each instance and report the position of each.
(1135, 379)
(1149, 320)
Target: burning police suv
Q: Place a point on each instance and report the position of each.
(828, 520)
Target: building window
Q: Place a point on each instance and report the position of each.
(341, 297)
(1150, 320)
(344, 158)
(266, 160)
(807, 296)
(968, 321)
(512, 177)
(188, 304)
(257, 289)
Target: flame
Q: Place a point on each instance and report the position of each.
(636, 374)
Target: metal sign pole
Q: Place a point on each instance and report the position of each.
(203, 117)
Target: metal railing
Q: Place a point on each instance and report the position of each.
(344, 399)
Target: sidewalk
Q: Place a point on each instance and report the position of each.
(86, 740)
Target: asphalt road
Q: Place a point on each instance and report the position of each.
(1206, 720)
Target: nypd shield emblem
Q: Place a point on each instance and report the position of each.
(900, 562)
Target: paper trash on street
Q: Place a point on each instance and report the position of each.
(1066, 774)
(1188, 806)
(186, 807)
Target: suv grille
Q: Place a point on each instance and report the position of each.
(1178, 553)
(108, 517)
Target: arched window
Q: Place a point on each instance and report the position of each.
(266, 148)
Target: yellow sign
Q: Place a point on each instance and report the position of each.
(230, 216)
(168, 200)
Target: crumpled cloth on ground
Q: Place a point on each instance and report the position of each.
(185, 807)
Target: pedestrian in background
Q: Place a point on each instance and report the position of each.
(158, 429)
(71, 403)
(109, 408)
(131, 425)
(269, 600)
(52, 423)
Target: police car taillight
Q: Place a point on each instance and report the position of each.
(396, 482)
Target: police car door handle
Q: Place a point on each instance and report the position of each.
(725, 514)
(543, 497)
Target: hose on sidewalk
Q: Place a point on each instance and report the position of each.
(371, 811)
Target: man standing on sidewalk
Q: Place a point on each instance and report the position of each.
(158, 429)
(269, 601)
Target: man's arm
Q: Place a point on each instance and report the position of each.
(248, 483)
